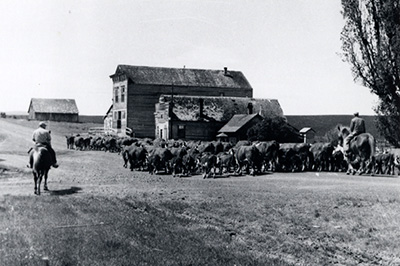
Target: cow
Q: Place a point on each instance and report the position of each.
(70, 142)
(136, 156)
(208, 163)
(294, 156)
(248, 156)
(226, 162)
(384, 163)
(79, 143)
(269, 153)
(339, 164)
(159, 159)
(322, 159)
(177, 160)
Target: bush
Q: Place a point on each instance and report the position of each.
(275, 128)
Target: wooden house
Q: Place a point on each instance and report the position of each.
(53, 110)
(136, 89)
(202, 117)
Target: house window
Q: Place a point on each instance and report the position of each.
(181, 131)
(123, 114)
(122, 94)
(116, 92)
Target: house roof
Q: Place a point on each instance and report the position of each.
(306, 130)
(187, 108)
(183, 76)
(237, 122)
(64, 106)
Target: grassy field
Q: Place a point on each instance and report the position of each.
(99, 213)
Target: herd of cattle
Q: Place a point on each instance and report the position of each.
(185, 158)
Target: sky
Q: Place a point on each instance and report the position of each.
(288, 50)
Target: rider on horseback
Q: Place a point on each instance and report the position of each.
(357, 126)
(41, 136)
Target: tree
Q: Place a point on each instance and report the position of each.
(275, 128)
(371, 44)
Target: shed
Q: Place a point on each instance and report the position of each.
(53, 110)
(308, 134)
(236, 128)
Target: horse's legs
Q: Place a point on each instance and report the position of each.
(35, 178)
(40, 176)
(45, 180)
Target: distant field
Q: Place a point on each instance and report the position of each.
(323, 123)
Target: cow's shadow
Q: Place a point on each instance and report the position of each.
(64, 192)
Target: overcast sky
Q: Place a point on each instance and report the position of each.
(287, 49)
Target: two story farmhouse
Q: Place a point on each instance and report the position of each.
(136, 90)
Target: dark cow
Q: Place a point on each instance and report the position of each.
(177, 161)
(269, 153)
(86, 143)
(250, 157)
(339, 164)
(70, 142)
(79, 143)
(384, 163)
(159, 159)
(322, 159)
(294, 156)
(136, 156)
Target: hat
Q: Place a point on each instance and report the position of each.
(356, 114)
(42, 124)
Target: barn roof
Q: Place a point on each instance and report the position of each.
(64, 106)
(237, 122)
(183, 76)
(187, 108)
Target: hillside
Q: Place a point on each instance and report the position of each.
(323, 123)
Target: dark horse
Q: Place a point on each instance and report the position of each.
(40, 160)
(362, 151)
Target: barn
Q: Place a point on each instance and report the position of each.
(201, 117)
(53, 110)
(136, 90)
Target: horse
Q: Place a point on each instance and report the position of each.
(362, 151)
(40, 160)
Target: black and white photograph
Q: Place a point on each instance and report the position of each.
(199, 132)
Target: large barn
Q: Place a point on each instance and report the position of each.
(53, 110)
(136, 89)
(201, 117)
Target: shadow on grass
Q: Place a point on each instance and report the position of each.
(64, 192)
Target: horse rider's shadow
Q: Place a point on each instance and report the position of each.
(64, 192)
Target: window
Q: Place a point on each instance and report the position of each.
(122, 94)
(116, 92)
(123, 114)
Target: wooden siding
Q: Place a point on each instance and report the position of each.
(54, 117)
(142, 99)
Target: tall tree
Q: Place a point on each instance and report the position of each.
(371, 44)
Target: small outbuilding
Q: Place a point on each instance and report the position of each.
(53, 110)
(236, 129)
(308, 134)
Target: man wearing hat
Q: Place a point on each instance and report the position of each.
(357, 126)
(42, 136)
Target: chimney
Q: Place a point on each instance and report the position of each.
(201, 107)
(225, 71)
(250, 108)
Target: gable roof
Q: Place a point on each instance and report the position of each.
(305, 130)
(64, 106)
(183, 76)
(222, 109)
(237, 122)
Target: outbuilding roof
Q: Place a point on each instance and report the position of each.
(61, 106)
(187, 108)
(184, 76)
(237, 122)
